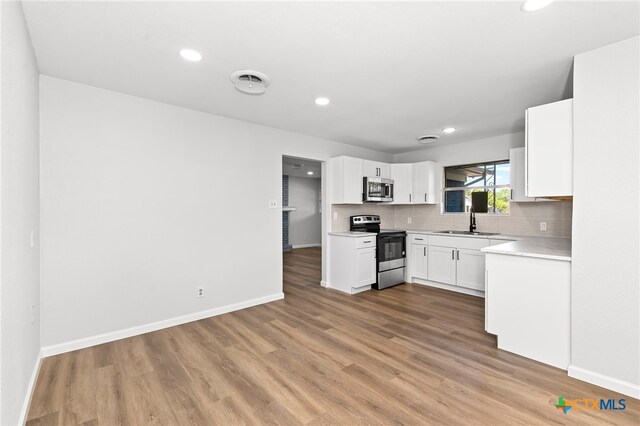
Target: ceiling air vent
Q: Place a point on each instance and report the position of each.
(251, 82)
(428, 139)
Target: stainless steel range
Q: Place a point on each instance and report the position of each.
(390, 250)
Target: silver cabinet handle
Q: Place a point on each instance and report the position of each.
(424, 251)
(511, 198)
(458, 251)
(453, 255)
(366, 242)
(425, 197)
(409, 197)
(418, 239)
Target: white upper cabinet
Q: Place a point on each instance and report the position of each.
(402, 175)
(426, 188)
(346, 180)
(516, 174)
(376, 169)
(416, 183)
(549, 150)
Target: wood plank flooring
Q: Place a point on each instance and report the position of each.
(405, 355)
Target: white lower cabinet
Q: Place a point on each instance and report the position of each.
(352, 262)
(365, 267)
(455, 262)
(528, 306)
(442, 265)
(470, 269)
(419, 261)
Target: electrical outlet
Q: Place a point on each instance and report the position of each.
(409, 220)
(32, 239)
(200, 291)
(543, 226)
(335, 215)
(273, 204)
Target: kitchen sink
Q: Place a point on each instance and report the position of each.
(466, 232)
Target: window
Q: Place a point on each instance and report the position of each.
(461, 181)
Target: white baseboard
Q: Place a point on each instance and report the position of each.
(297, 246)
(32, 385)
(449, 287)
(607, 382)
(134, 331)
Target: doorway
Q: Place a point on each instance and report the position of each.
(301, 203)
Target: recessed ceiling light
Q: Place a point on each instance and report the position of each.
(449, 129)
(322, 101)
(191, 55)
(533, 5)
(309, 172)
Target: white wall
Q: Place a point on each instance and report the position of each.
(476, 151)
(141, 204)
(305, 222)
(19, 289)
(606, 231)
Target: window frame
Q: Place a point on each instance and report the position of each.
(489, 188)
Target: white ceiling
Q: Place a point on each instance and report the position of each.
(298, 167)
(393, 70)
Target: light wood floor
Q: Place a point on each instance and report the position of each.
(406, 355)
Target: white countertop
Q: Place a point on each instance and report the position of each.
(553, 248)
(506, 237)
(353, 234)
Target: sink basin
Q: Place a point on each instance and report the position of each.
(466, 232)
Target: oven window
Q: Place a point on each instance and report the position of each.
(390, 248)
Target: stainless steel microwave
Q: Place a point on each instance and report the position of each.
(377, 190)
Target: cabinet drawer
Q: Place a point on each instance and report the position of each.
(459, 242)
(419, 239)
(364, 242)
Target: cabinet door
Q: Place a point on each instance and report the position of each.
(385, 170)
(377, 169)
(516, 175)
(441, 264)
(470, 269)
(402, 175)
(346, 180)
(425, 183)
(365, 267)
(549, 150)
(419, 264)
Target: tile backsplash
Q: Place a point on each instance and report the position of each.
(524, 219)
